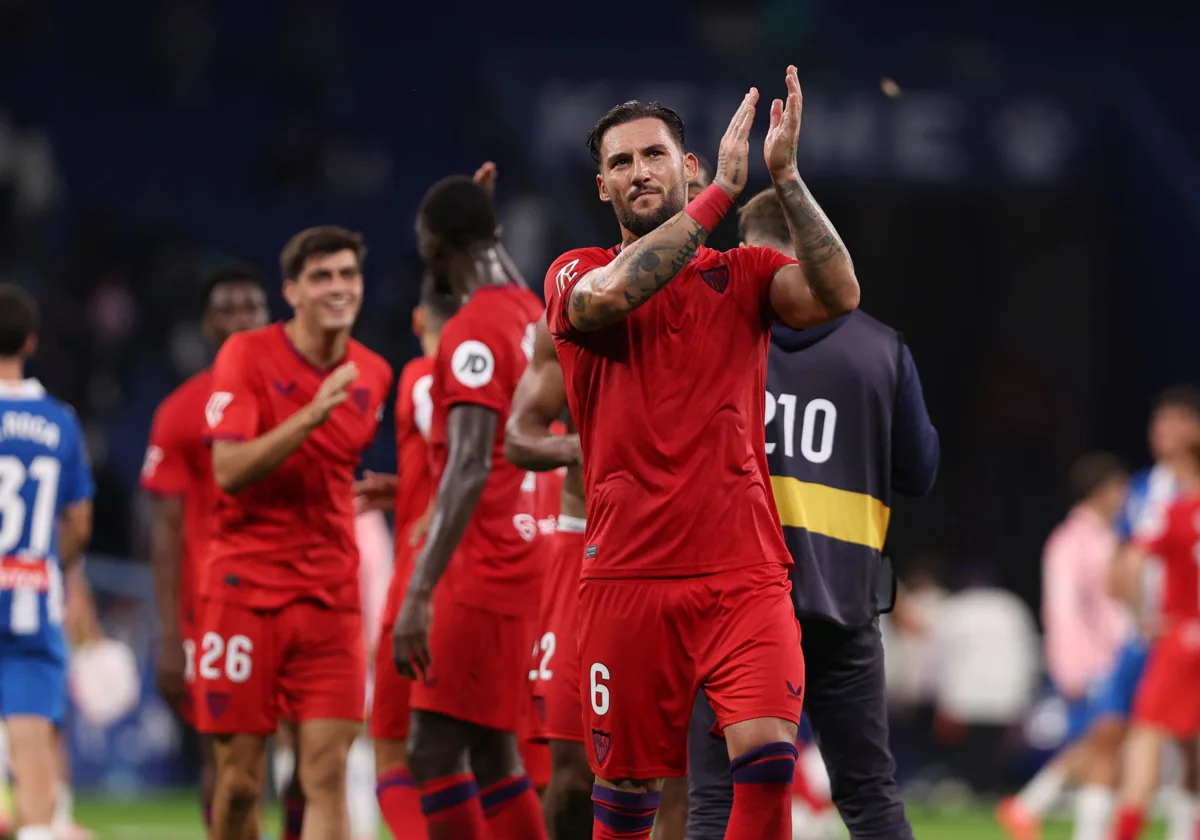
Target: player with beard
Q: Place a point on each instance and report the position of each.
(663, 345)
(293, 407)
(177, 475)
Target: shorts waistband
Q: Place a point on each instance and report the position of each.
(572, 524)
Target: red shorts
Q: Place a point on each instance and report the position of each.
(478, 671)
(187, 706)
(534, 756)
(390, 712)
(301, 662)
(647, 647)
(1167, 694)
(555, 671)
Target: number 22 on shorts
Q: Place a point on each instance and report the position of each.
(236, 651)
(600, 696)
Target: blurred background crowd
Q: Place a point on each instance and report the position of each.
(1019, 185)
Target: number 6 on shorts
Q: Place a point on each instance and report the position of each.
(599, 689)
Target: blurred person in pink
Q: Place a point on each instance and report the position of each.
(1085, 626)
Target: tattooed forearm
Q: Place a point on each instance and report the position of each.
(823, 258)
(606, 295)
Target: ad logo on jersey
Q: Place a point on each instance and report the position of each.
(473, 364)
(214, 411)
(795, 692)
(24, 574)
(526, 526)
(565, 275)
(154, 457)
(602, 743)
(716, 277)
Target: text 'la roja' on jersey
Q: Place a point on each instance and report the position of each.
(290, 536)
(669, 406)
(482, 352)
(43, 471)
(179, 463)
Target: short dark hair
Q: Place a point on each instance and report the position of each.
(230, 272)
(319, 242)
(435, 298)
(1092, 471)
(629, 111)
(763, 214)
(1184, 396)
(19, 318)
(459, 211)
(703, 164)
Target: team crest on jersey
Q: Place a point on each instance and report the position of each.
(601, 743)
(362, 398)
(218, 702)
(526, 526)
(717, 278)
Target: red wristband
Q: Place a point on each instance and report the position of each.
(709, 207)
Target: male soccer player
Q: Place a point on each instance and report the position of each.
(411, 495)
(177, 474)
(46, 493)
(530, 443)
(663, 345)
(846, 425)
(293, 407)
(1085, 627)
(1174, 427)
(1166, 705)
(477, 570)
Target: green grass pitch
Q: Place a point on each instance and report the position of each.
(175, 817)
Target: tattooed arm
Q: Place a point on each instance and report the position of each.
(608, 294)
(823, 285)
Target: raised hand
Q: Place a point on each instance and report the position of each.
(783, 135)
(332, 392)
(485, 176)
(733, 156)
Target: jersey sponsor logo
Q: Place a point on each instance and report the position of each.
(154, 457)
(16, 573)
(214, 410)
(565, 275)
(284, 388)
(526, 526)
(716, 278)
(473, 364)
(25, 425)
(795, 692)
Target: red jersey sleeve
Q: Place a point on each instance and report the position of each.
(561, 278)
(231, 412)
(165, 471)
(758, 267)
(469, 367)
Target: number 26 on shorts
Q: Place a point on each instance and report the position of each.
(236, 651)
(600, 696)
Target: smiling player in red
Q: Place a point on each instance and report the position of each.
(663, 345)
(177, 473)
(293, 407)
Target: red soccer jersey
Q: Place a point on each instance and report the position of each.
(414, 414)
(290, 535)
(1177, 545)
(179, 463)
(482, 353)
(669, 405)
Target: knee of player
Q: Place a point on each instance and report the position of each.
(569, 764)
(324, 774)
(430, 758)
(750, 735)
(241, 785)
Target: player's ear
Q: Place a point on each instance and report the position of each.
(602, 188)
(418, 321)
(30, 348)
(290, 292)
(691, 167)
